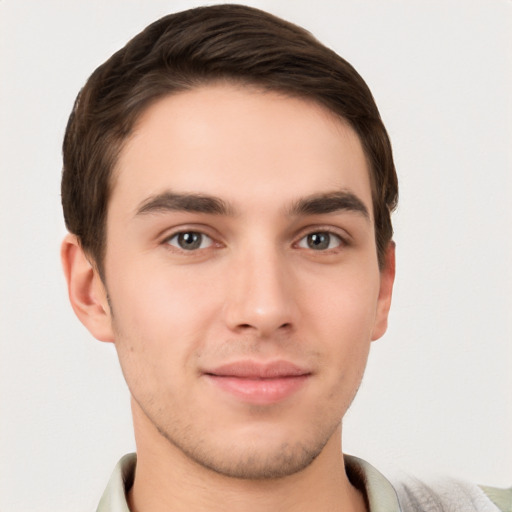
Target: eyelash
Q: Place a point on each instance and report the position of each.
(324, 236)
(183, 233)
(342, 240)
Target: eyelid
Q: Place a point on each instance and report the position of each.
(169, 233)
(302, 243)
(344, 236)
(203, 236)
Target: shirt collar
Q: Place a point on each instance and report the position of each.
(114, 497)
(380, 494)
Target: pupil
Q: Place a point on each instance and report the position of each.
(189, 240)
(318, 241)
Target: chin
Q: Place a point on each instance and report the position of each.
(259, 457)
(284, 461)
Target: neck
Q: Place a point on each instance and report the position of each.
(166, 479)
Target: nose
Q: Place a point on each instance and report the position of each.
(260, 296)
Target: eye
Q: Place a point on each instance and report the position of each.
(320, 241)
(190, 240)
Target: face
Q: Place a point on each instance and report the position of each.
(242, 276)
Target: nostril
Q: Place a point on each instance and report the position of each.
(284, 326)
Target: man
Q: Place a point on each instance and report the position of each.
(228, 185)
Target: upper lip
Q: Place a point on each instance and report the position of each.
(247, 369)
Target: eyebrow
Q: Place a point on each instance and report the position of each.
(197, 203)
(330, 202)
(317, 204)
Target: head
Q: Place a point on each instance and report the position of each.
(228, 184)
(223, 43)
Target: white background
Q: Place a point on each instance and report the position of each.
(437, 394)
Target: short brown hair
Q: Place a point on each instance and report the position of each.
(199, 46)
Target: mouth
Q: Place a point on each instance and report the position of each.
(259, 383)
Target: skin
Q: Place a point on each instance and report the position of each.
(273, 277)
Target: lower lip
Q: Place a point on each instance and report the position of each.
(260, 391)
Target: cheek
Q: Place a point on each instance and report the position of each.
(159, 321)
(154, 299)
(344, 304)
(343, 315)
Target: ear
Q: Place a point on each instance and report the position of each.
(387, 278)
(86, 291)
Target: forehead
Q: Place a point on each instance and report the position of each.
(240, 144)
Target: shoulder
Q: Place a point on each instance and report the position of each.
(409, 494)
(454, 495)
(502, 498)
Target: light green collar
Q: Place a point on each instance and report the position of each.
(380, 493)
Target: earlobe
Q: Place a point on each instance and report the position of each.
(86, 291)
(387, 279)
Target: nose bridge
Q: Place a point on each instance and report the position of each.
(260, 297)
